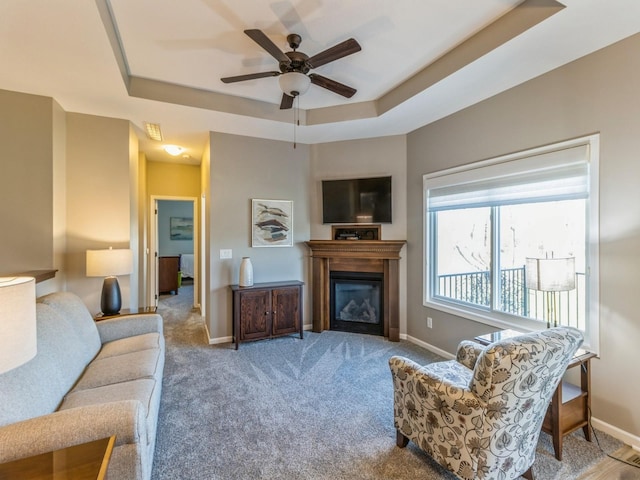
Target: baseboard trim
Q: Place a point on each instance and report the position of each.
(216, 341)
(629, 439)
(428, 346)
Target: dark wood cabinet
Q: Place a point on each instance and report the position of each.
(266, 310)
(168, 268)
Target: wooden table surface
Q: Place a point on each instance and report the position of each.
(87, 461)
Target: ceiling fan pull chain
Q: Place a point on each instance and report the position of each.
(295, 118)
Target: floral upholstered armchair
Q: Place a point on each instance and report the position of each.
(479, 416)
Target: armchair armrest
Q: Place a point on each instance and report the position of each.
(468, 353)
(124, 419)
(121, 327)
(440, 376)
(434, 401)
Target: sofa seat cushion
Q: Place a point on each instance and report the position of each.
(122, 368)
(137, 343)
(146, 391)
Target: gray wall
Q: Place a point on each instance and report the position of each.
(242, 168)
(364, 158)
(598, 93)
(166, 210)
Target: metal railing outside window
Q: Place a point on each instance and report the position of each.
(515, 297)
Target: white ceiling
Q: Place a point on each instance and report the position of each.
(62, 49)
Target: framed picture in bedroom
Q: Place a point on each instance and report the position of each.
(271, 223)
(181, 228)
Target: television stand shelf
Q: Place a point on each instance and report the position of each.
(356, 232)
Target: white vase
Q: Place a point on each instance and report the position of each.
(246, 272)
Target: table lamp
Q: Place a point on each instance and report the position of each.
(551, 275)
(110, 263)
(18, 341)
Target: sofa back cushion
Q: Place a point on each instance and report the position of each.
(39, 386)
(72, 308)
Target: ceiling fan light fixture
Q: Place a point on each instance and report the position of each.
(294, 83)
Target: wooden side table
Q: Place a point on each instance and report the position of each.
(570, 405)
(126, 312)
(87, 461)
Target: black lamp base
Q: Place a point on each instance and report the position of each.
(111, 300)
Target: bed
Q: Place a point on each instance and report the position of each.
(186, 265)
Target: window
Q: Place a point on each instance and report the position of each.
(492, 230)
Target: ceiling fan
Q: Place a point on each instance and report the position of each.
(294, 67)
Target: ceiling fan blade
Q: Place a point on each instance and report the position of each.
(334, 53)
(250, 76)
(261, 39)
(336, 87)
(286, 102)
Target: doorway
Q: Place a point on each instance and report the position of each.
(174, 245)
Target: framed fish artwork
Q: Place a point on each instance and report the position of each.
(271, 223)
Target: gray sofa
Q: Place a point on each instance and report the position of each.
(88, 381)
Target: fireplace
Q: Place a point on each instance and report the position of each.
(359, 257)
(356, 302)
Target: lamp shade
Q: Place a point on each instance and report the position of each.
(551, 274)
(294, 83)
(18, 341)
(109, 262)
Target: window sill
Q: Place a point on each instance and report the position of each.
(495, 319)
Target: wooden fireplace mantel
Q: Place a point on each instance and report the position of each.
(379, 256)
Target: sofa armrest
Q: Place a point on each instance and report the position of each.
(128, 326)
(468, 353)
(124, 419)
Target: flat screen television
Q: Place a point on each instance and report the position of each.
(358, 200)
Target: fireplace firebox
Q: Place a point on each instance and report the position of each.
(356, 302)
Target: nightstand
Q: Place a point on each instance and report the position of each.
(126, 312)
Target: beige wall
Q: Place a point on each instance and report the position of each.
(26, 181)
(143, 232)
(77, 178)
(173, 180)
(99, 203)
(206, 257)
(59, 204)
(242, 168)
(364, 158)
(598, 93)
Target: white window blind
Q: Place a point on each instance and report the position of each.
(557, 175)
